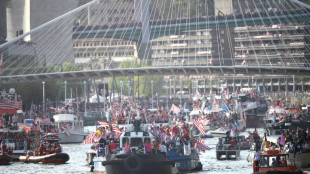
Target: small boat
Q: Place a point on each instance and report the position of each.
(226, 150)
(71, 128)
(275, 162)
(220, 132)
(207, 135)
(55, 158)
(47, 153)
(5, 159)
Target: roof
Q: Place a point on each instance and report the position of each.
(65, 117)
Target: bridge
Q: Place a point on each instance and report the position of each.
(33, 56)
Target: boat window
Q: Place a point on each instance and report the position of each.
(135, 141)
(264, 162)
(125, 140)
(147, 140)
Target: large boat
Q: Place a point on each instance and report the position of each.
(71, 128)
(226, 149)
(5, 159)
(275, 162)
(133, 161)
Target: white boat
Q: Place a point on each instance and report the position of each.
(220, 132)
(71, 128)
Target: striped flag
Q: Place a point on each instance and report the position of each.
(104, 124)
(201, 145)
(198, 124)
(117, 131)
(90, 138)
(197, 92)
(11, 105)
(175, 109)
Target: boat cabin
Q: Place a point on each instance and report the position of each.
(63, 119)
(274, 160)
(135, 139)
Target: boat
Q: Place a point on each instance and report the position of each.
(131, 160)
(275, 162)
(220, 132)
(227, 149)
(5, 159)
(48, 152)
(71, 128)
(19, 141)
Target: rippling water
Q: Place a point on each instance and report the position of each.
(77, 162)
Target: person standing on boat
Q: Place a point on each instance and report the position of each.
(257, 156)
(163, 148)
(147, 146)
(15, 120)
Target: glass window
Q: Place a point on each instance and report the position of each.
(136, 141)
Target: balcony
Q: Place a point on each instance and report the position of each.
(269, 28)
(271, 46)
(269, 37)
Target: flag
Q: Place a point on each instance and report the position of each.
(27, 129)
(201, 145)
(197, 92)
(282, 141)
(236, 124)
(198, 124)
(90, 138)
(175, 109)
(104, 124)
(1, 62)
(116, 130)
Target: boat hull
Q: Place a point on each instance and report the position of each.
(5, 159)
(302, 160)
(139, 164)
(74, 137)
(98, 167)
(185, 163)
(55, 158)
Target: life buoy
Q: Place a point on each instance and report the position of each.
(133, 163)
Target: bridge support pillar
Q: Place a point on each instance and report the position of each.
(142, 16)
(211, 85)
(3, 27)
(279, 84)
(271, 85)
(286, 85)
(294, 86)
(234, 85)
(302, 85)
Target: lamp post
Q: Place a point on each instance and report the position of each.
(181, 92)
(43, 103)
(65, 91)
(152, 92)
(167, 92)
(128, 88)
(121, 85)
(85, 112)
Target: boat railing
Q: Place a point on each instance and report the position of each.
(227, 147)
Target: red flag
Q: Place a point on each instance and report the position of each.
(197, 92)
(175, 109)
(198, 124)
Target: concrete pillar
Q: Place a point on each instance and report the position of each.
(279, 84)
(302, 85)
(286, 85)
(271, 85)
(294, 86)
(204, 89)
(142, 15)
(234, 85)
(3, 23)
(211, 85)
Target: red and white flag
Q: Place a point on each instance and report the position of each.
(91, 138)
(175, 109)
(117, 131)
(104, 124)
(201, 145)
(198, 124)
(197, 92)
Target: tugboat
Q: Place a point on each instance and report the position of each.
(133, 159)
(48, 152)
(274, 161)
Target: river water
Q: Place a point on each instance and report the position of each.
(77, 163)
